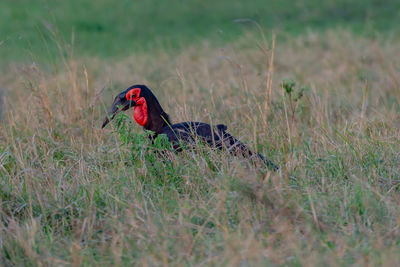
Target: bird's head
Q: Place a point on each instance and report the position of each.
(146, 106)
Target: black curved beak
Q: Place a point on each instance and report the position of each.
(120, 104)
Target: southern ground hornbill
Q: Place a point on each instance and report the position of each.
(149, 114)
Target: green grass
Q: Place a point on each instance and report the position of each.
(118, 28)
(326, 110)
(73, 194)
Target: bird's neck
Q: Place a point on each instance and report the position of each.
(156, 117)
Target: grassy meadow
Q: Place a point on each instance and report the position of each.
(320, 98)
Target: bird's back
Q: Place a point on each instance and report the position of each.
(215, 136)
(193, 132)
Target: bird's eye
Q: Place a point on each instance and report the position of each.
(133, 94)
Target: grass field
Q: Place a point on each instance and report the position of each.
(105, 28)
(73, 194)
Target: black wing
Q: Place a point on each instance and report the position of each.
(192, 132)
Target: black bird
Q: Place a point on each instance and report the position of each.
(149, 114)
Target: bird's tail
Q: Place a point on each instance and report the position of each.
(267, 162)
(235, 147)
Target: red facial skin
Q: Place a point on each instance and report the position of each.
(140, 110)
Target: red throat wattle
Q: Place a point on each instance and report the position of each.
(140, 112)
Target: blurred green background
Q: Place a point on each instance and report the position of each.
(106, 28)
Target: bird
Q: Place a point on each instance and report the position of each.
(149, 114)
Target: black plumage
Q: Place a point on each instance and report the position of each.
(149, 113)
